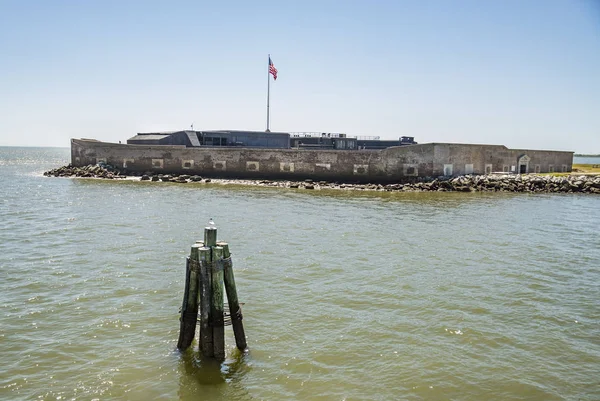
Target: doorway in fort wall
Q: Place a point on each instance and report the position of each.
(523, 163)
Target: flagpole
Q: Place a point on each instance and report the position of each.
(268, 93)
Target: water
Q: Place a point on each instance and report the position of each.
(586, 160)
(348, 296)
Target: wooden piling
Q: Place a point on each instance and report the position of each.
(210, 236)
(235, 309)
(206, 333)
(189, 307)
(217, 309)
(208, 273)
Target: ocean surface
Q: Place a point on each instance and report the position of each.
(586, 160)
(348, 295)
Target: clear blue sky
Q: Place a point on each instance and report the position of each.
(522, 73)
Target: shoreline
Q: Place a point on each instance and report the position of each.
(532, 183)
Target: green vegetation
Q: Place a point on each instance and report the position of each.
(588, 169)
(591, 169)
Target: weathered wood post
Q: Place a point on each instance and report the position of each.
(217, 302)
(215, 296)
(206, 334)
(208, 272)
(232, 299)
(210, 236)
(189, 308)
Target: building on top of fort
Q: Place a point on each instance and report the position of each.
(270, 140)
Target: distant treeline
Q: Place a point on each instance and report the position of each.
(580, 155)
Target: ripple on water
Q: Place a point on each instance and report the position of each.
(368, 296)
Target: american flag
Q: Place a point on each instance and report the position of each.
(272, 70)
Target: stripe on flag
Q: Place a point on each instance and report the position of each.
(272, 70)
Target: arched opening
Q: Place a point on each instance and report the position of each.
(523, 163)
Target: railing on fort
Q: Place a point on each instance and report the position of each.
(330, 135)
(367, 138)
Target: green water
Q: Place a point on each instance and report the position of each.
(368, 296)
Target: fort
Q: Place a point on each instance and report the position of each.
(320, 156)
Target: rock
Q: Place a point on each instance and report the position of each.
(492, 182)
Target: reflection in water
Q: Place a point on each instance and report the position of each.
(349, 295)
(199, 375)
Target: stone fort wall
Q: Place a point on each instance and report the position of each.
(396, 164)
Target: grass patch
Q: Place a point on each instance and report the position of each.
(586, 168)
(579, 169)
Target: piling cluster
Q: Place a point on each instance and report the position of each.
(209, 276)
(467, 183)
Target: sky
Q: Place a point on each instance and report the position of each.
(520, 73)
